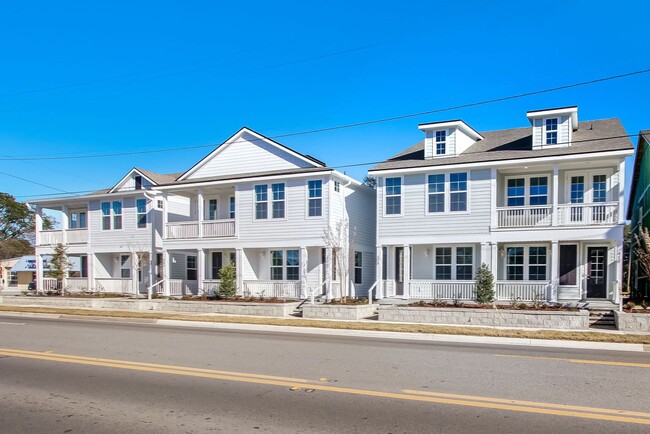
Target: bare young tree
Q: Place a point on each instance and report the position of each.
(642, 252)
(341, 240)
(140, 259)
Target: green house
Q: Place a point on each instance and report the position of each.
(639, 211)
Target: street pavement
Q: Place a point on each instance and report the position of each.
(92, 376)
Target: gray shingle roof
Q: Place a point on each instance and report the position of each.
(249, 175)
(159, 178)
(516, 143)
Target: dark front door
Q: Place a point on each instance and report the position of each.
(399, 270)
(596, 272)
(217, 264)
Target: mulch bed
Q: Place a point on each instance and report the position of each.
(520, 306)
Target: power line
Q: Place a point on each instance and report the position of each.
(350, 125)
(34, 182)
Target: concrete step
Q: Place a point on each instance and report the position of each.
(602, 319)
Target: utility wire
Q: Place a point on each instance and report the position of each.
(34, 182)
(345, 126)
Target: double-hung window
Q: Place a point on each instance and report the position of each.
(393, 195)
(262, 199)
(454, 263)
(538, 190)
(125, 266)
(191, 267)
(212, 209)
(111, 213)
(315, 205)
(436, 193)
(526, 263)
(141, 212)
(232, 207)
(458, 191)
(278, 200)
(516, 192)
(106, 216)
(261, 202)
(551, 131)
(285, 264)
(74, 221)
(441, 142)
(526, 190)
(117, 214)
(82, 220)
(358, 267)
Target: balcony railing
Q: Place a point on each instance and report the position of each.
(520, 290)
(442, 289)
(211, 229)
(73, 236)
(605, 213)
(77, 236)
(183, 287)
(529, 216)
(50, 237)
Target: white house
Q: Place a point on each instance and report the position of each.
(251, 201)
(542, 206)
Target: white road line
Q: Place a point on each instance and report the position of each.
(12, 323)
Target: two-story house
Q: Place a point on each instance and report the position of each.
(291, 226)
(542, 206)
(639, 213)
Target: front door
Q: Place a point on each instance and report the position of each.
(399, 270)
(597, 272)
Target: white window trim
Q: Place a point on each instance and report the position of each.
(447, 193)
(401, 195)
(111, 214)
(137, 214)
(454, 263)
(285, 257)
(195, 268)
(360, 267)
(126, 266)
(322, 199)
(526, 263)
(436, 142)
(589, 185)
(549, 195)
(232, 214)
(206, 209)
(557, 131)
(269, 203)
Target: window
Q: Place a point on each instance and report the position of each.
(232, 207)
(551, 131)
(13, 278)
(577, 196)
(141, 212)
(358, 267)
(117, 215)
(191, 267)
(337, 186)
(261, 202)
(526, 263)
(82, 220)
(278, 200)
(436, 193)
(83, 262)
(568, 264)
(106, 216)
(287, 269)
(443, 263)
(458, 188)
(315, 204)
(527, 191)
(160, 204)
(600, 188)
(393, 195)
(74, 221)
(454, 263)
(212, 209)
(384, 263)
(125, 266)
(441, 142)
(138, 182)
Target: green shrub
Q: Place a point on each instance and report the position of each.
(228, 287)
(484, 285)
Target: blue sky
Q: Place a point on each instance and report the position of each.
(77, 77)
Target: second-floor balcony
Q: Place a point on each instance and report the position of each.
(205, 229)
(573, 214)
(69, 236)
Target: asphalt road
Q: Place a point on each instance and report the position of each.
(82, 376)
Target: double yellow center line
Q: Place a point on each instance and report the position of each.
(623, 416)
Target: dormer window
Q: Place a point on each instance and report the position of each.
(441, 142)
(551, 131)
(138, 182)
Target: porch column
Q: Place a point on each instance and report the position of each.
(556, 194)
(621, 193)
(166, 265)
(328, 273)
(90, 270)
(38, 224)
(136, 268)
(555, 275)
(494, 259)
(39, 273)
(379, 289)
(407, 271)
(64, 278)
(493, 198)
(165, 217)
(619, 272)
(239, 259)
(486, 253)
(200, 211)
(303, 272)
(65, 224)
(200, 270)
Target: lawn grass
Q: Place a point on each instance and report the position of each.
(346, 325)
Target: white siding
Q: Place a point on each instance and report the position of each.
(248, 155)
(121, 239)
(129, 183)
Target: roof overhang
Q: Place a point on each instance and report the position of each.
(640, 151)
(127, 176)
(461, 125)
(571, 111)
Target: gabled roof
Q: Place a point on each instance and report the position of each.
(517, 143)
(244, 176)
(232, 139)
(152, 177)
(640, 151)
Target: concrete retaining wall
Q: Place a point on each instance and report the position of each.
(632, 322)
(230, 308)
(572, 320)
(336, 311)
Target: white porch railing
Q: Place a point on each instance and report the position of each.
(580, 214)
(114, 285)
(211, 285)
(443, 290)
(183, 287)
(183, 230)
(524, 216)
(523, 290)
(273, 288)
(218, 228)
(76, 284)
(50, 237)
(77, 236)
(49, 284)
(389, 288)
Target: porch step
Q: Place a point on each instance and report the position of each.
(602, 319)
